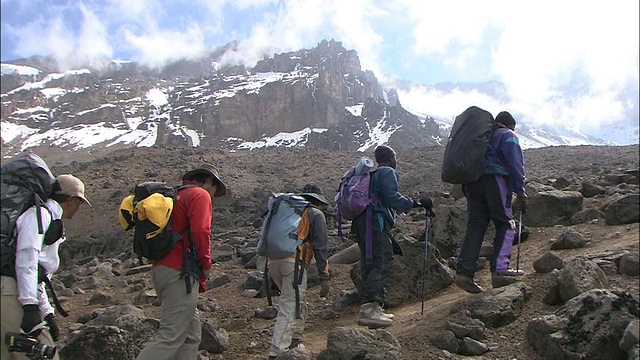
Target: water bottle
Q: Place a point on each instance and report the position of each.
(364, 165)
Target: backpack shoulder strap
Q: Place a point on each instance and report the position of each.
(304, 225)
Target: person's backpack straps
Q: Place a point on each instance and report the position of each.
(56, 301)
(298, 272)
(191, 266)
(368, 238)
(299, 265)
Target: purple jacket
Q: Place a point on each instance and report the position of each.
(504, 157)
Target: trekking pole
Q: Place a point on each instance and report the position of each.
(519, 241)
(424, 257)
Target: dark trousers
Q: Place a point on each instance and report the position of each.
(488, 199)
(376, 271)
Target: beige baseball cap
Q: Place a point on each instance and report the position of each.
(72, 186)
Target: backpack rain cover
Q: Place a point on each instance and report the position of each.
(279, 233)
(26, 181)
(463, 161)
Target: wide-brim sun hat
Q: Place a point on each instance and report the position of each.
(210, 170)
(313, 190)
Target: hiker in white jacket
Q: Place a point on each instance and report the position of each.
(25, 305)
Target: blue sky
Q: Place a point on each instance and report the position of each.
(532, 47)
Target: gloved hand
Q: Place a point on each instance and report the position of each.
(520, 204)
(30, 320)
(324, 287)
(397, 249)
(416, 203)
(427, 204)
(54, 330)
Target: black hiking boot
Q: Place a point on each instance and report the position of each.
(498, 281)
(295, 343)
(467, 284)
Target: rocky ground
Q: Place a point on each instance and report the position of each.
(250, 176)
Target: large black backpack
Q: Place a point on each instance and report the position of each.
(463, 161)
(25, 181)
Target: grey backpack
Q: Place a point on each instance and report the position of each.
(25, 181)
(279, 233)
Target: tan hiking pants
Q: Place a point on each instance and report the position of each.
(287, 327)
(11, 317)
(180, 330)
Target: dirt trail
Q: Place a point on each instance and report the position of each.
(412, 328)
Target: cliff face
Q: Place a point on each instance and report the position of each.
(321, 96)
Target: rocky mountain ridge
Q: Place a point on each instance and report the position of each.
(316, 97)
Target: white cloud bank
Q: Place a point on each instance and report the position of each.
(534, 48)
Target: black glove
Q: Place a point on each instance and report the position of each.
(397, 249)
(427, 204)
(416, 203)
(30, 319)
(54, 330)
(324, 289)
(520, 204)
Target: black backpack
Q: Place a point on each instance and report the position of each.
(25, 181)
(463, 161)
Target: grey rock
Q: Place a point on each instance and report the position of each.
(446, 340)
(580, 275)
(569, 239)
(589, 326)
(622, 209)
(630, 264)
(495, 307)
(631, 335)
(345, 343)
(473, 347)
(214, 339)
(547, 262)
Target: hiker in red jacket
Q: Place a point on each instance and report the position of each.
(188, 264)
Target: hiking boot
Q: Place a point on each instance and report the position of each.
(371, 315)
(467, 284)
(510, 272)
(296, 343)
(386, 314)
(501, 280)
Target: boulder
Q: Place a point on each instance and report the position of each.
(589, 326)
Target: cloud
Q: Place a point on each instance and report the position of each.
(158, 47)
(570, 59)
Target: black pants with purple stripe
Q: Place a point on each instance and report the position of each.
(376, 269)
(488, 199)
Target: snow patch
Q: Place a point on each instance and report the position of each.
(355, 110)
(11, 69)
(298, 138)
(156, 97)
